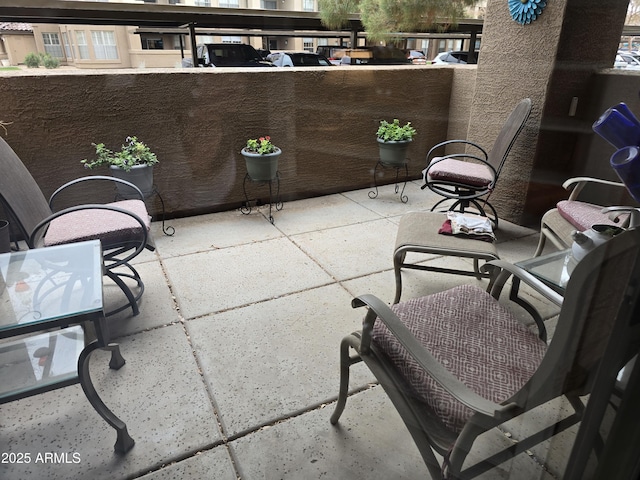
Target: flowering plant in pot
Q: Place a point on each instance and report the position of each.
(133, 162)
(261, 157)
(393, 140)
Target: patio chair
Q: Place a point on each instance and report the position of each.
(458, 363)
(122, 227)
(466, 177)
(572, 214)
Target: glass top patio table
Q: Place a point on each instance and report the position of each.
(41, 289)
(48, 297)
(553, 269)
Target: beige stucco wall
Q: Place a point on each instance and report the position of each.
(551, 60)
(197, 120)
(17, 47)
(323, 119)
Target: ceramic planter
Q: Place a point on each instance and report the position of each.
(393, 153)
(262, 168)
(140, 175)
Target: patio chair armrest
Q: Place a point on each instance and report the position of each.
(36, 233)
(617, 210)
(576, 184)
(508, 269)
(379, 309)
(77, 181)
(450, 142)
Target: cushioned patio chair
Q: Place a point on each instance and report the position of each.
(467, 177)
(458, 363)
(572, 214)
(122, 227)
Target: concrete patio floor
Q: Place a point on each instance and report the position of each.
(232, 364)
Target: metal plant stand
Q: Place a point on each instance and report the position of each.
(246, 207)
(167, 230)
(405, 165)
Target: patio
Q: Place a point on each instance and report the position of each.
(232, 364)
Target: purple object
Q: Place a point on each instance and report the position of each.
(618, 126)
(626, 163)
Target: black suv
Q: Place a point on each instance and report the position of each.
(229, 55)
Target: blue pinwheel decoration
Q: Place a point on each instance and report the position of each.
(526, 11)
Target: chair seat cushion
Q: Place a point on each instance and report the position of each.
(458, 171)
(474, 337)
(111, 228)
(584, 215)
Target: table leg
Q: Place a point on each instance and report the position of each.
(514, 297)
(124, 442)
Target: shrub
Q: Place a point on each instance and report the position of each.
(32, 60)
(50, 62)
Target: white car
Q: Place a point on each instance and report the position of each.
(280, 59)
(626, 61)
(459, 57)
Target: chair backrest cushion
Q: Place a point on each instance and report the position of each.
(592, 307)
(471, 335)
(509, 133)
(19, 192)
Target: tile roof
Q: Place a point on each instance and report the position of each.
(15, 27)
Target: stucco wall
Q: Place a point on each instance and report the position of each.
(197, 120)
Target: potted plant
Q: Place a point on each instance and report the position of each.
(261, 157)
(393, 140)
(133, 162)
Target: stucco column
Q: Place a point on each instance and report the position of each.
(551, 61)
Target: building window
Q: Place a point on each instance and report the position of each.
(307, 44)
(67, 46)
(104, 45)
(229, 39)
(174, 2)
(269, 4)
(308, 5)
(229, 4)
(52, 45)
(152, 43)
(83, 47)
(203, 3)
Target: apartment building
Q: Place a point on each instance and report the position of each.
(103, 46)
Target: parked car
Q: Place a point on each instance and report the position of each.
(459, 57)
(308, 59)
(417, 57)
(279, 59)
(298, 59)
(372, 55)
(627, 61)
(333, 54)
(229, 55)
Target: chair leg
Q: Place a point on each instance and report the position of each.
(398, 260)
(132, 300)
(346, 361)
(541, 242)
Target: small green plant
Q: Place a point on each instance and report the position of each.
(133, 152)
(261, 145)
(50, 62)
(32, 60)
(394, 132)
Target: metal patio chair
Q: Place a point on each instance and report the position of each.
(458, 363)
(123, 227)
(572, 214)
(467, 177)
